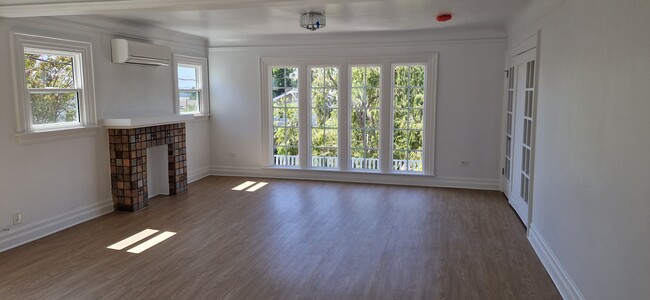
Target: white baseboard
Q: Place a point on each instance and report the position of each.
(412, 180)
(198, 174)
(30, 232)
(560, 277)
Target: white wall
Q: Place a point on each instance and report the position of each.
(469, 100)
(592, 177)
(55, 184)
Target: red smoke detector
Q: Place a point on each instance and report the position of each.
(443, 17)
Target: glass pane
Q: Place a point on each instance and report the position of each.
(358, 76)
(415, 140)
(317, 77)
(332, 120)
(279, 136)
(358, 97)
(292, 137)
(53, 108)
(331, 98)
(400, 100)
(400, 139)
(318, 137)
(278, 97)
(357, 116)
(49, 71)
(357, 138)
(331, 137)
(415, 161)
(278, 117)
(188, 101)
(292, 116)
(372, 97)
(399, 160)
(416, 98)
(400, 119)
(373, 77)
(332, 77)
(373, 139)
(187, 78)
(417, 76)
(401, 76)
(293, 151)
(372, 118)
(416, 118)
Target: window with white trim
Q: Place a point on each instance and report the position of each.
(55, 84)
(324, 117)
(408, 117)
(285, 99)
(362, 114)
(190, 77)
(365, 115)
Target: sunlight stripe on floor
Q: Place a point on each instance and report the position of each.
(132, 239)
(256, 187)
(151, 242)
(243, 186)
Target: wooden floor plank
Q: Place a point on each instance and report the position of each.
(291, 240)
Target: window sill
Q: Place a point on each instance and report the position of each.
(55, 134)
(201, 117)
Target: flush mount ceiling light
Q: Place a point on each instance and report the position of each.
(312, 20)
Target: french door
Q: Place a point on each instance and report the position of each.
(520, 122)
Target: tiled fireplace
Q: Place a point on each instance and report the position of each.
(128, 151)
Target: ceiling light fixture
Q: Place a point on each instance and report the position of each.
(312, 20)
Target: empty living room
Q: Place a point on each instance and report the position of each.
(333, 149)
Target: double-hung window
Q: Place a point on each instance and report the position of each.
(356, 114)
(54, 87)
(190, 81)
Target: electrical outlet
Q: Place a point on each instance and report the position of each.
(464, 163)
(18, 218)
(233, 155)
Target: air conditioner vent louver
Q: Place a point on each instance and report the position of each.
(129, 52)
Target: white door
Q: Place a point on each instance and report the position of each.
(519, 133)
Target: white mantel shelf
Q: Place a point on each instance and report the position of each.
(146, 121)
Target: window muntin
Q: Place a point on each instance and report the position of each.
(190, 88)
(54, 86)
(285, 104)
(408, 117)
(324, 117)
(365, 117)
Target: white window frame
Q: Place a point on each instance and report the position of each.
(345, 63)
(84, 79)
(310, 110)
(202, 81)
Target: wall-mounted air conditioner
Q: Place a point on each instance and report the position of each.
(124, 51)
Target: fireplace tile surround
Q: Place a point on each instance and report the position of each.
(128, 156)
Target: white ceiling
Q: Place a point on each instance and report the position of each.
(223, 21)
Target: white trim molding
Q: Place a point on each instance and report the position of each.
(196, 175)
(386, 62)
(87, 109)
(560, 277)
(21, 235)
(203, 82)
(358, 177)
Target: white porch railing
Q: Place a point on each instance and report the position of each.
(357, 163)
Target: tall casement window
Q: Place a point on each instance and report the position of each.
(285, 100)
(54, 87)
(358, 114)
(190, 82)
(408, 117)
(324, 117)
(365, 114)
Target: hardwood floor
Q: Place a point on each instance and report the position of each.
(291, 240)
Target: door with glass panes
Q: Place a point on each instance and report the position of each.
(520, 109)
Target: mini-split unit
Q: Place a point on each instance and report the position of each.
(130, 52)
